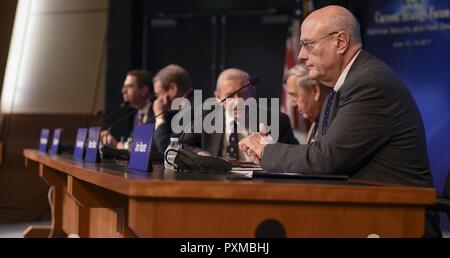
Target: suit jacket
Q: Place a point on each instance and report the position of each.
(310, 136)
(162, 134)
(124, 121)
(375, 132)
(212, 143)
(124, 129)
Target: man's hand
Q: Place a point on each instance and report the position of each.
(204, 153)
(161, 105)
(107, 138)
(253, 146)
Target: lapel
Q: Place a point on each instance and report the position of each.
(213, 142)
(361, 59)
(150, 115)
(334, 108)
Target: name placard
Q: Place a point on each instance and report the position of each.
(92, 145)
(80, 141)
(55, 143)
(43, 140)
(141, 147)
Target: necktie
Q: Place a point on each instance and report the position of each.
(232, 148)
(327, 112)
(141, 118)
(314, 132)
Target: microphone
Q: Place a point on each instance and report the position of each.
(114, 112)
(109, 151)
(251, 82)
(151, 98)
(132, 112)
(188, 160)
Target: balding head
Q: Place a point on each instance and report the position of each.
(229, 81)
(232, 74)
(336, 18)
(330, 38)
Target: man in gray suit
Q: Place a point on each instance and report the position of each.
(225, 143)
(371, 127)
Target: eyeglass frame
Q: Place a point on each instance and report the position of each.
(307, 44)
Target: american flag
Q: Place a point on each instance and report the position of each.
(290, 60)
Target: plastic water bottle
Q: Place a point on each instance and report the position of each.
(170, 155)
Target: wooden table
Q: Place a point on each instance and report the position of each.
(108, 200)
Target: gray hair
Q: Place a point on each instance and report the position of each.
(232, 74)
(302, 75)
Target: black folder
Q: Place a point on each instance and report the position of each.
(267, 174)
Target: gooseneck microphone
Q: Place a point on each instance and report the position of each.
(251, 82)
(189, 160)
(114, 112)
(132, 112)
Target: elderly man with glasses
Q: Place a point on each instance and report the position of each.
(371, 127)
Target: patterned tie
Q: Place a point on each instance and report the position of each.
(233, 143)
(327, 112)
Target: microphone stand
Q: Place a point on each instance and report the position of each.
(123, 105)
(252, 81)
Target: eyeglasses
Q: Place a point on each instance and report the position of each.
(307, 44)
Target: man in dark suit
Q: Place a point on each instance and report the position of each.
(371, 127)
(170, 83)
(137, 92)
(225, 143)
(307, 95)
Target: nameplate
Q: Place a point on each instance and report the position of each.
(78, 152)
(54, 149)
(43, 140)
(92, 144)
(141, 147)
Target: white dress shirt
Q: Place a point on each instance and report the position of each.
(344, 73)
(229, 121)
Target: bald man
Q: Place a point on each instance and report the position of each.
(225, 144)
(370, 128)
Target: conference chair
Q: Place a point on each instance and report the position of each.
(443, 201)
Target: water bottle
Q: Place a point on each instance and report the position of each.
(170, 155)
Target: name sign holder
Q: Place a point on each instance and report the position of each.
(141, 148)
(78, 153)
(54, 150)
(43, 140)
(92, 153)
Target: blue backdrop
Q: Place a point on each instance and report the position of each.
(413, 37)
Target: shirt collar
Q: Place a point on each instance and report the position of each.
(144, 110)
(344, 73)
(229, 121)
